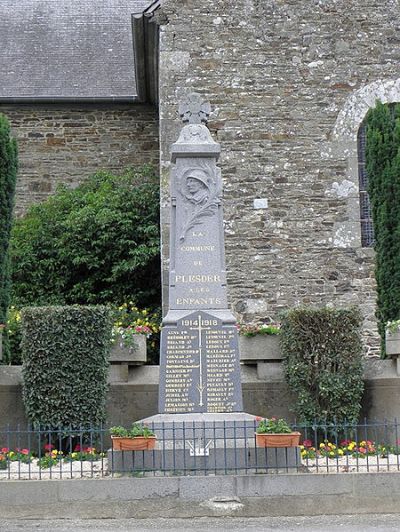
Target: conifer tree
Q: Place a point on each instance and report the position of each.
(383, 171)
(8, 174)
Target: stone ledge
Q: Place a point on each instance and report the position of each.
(197, 496)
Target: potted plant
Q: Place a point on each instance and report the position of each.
(275, 432)
(138, 438)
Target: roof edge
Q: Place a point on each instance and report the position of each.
(139, 51)
(69, 99)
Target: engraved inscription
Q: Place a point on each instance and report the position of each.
(202, 371)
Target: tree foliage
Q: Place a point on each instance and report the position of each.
(383, 171)
(8, 175)
(97, 243)
(322, 359)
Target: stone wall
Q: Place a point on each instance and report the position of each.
(290, 82)
(263, 394)
(64, 143)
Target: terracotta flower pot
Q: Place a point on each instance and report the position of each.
(139, 443)
(278, 440)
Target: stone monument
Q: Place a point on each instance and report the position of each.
(201, 425)
(199, 366)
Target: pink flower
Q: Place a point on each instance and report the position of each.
(24, 451)
(4, 450)
(48, 447)
(77, 448)
(307, 443)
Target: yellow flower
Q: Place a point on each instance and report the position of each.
(74, 455)
(321, 445)
(340, 452)
(331, 453)
(301, 447)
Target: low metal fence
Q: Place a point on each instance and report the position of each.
(198, 448)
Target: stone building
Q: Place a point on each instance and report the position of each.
(69, 88)
(289, 81)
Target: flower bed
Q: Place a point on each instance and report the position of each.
(22, 464)
(350, 456)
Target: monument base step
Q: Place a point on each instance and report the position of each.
(204, 443)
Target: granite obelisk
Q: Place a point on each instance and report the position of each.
(199, 366)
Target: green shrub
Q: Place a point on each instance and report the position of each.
(8, 175)
(13, 328)
(65, 364)
(95, 244)
(134, 432)
(322, 359)
(383, 167)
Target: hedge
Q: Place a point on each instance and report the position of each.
(383, 169)
(8, 176)
(322, 359)
(65, 354)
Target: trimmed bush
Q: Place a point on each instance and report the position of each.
(65, 364)
(322, 358)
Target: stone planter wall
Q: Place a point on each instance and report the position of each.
(138, 397)
(392, 342)
(262, 350)
(122, 357)
(259, 348)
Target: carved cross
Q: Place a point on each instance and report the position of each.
(195, 109)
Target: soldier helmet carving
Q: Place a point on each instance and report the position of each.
(200, 175)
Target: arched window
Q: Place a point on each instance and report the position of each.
(367, 226)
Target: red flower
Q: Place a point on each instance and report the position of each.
(4, 450)
(48, 447)
(77, 448)
(24, 451)
(307, 443)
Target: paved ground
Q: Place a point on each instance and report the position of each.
(299, 524)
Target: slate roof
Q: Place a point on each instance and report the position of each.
(67, 49)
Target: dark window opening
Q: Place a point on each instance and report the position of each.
(367, 226)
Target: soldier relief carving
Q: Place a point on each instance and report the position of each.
(201, 196)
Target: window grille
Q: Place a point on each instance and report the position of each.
(367, 227)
